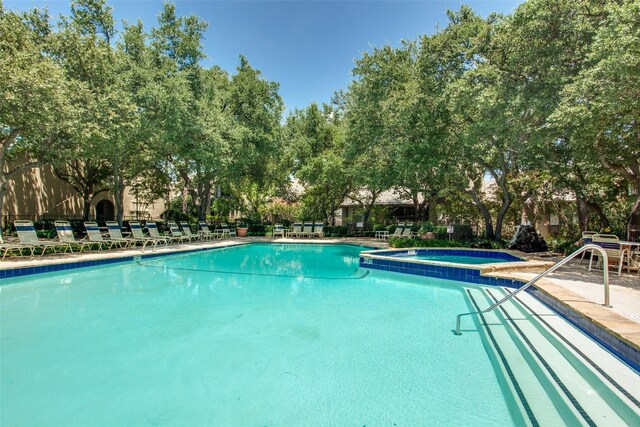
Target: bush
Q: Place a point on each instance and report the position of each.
(335, 231)
(257, 230)
(562, 246)
(441, 232)
(400, 242)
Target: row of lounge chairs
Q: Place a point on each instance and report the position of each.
(30, 243)
(308, 229)
(402, 231)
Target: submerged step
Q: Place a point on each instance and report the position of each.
(592, 396)
(526, 392)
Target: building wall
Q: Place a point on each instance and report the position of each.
(38, 193)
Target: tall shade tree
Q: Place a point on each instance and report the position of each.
(35, 109)
(601, 108)
(82, 47)
(315, 137)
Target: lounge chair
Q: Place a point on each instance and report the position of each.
(14, 247)
(186, 230)
(359, 229)
(115, 233)
(204, 232)
(28, 237)
(296, 231)
(398, 231)
(176, 233)
(94, 235)
(152, 228)
(65, 235)
(307, 229)
(611, 245)
(407, 233)
(223, 231)
(317, 230)
(278, 230)
(136, 231)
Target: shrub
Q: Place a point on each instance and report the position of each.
(335, 231)
(401, 242)
(257, 230)
(562, 246)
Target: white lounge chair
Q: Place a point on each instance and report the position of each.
(587, 238)
(278, 230)
(14, 247)
(94, 235)
(136, 231)
(317, 230)
(407, 231)
(152, 228)
(307, 229)
(115, 233)
(205, 233)
(28, 237)
(398, 231)
(296, 231)
(186, 231)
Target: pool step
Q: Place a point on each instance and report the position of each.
(532, 397)
(549, 367)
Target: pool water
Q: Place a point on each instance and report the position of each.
(260, 334)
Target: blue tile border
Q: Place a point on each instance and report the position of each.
(624, 351)
(459, 273)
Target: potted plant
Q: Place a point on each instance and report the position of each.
(427, 231)
(241, 229)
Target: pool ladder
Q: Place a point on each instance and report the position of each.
(589, 247)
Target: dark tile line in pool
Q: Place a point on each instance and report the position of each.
(470, 275)
(629, 354)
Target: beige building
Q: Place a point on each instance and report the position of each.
(39, 194)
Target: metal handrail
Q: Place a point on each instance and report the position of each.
(544, 273)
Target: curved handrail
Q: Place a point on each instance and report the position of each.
(544, 273)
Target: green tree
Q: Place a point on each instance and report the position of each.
(35, 110)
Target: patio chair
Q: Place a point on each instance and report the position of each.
(307, 230)
(204, 231)
(14, 247)
(186, 230)
(223, 231)
(152, 228)
(115, 233)
(317, 230)
(407, 232)
(398, 231)
(94, 235)
(278, 230)
(136, 231)
(176, 232)
(611, 245)
(296, 231)
(587, 238)
(28, 237)
(359, 229)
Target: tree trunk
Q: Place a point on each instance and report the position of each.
(500, 218)
(3, 190)
(86, 198)
(635, 211)
(432, 212)
(583, 213)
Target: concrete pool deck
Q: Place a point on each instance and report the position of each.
(572, 285)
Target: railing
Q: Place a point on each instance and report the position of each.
(556, 266)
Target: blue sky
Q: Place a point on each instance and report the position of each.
(309, 47)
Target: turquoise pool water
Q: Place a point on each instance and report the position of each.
(253, 335)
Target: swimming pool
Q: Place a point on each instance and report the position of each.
(261, 334)
(452, 255)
